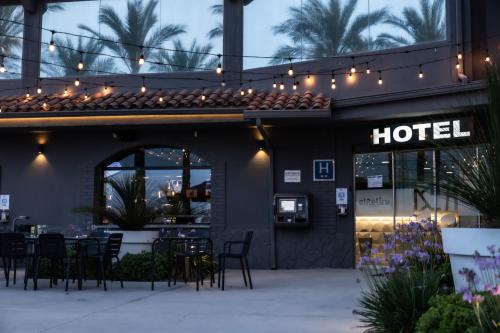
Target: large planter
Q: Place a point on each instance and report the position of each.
(137, 241)
(461, 244)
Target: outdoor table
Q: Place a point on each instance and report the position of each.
(173, 240)
(80, 244)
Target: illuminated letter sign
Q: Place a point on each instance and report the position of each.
(422, 132)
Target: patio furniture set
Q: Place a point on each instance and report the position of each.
(59, 252)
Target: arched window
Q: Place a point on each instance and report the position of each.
(173, 180)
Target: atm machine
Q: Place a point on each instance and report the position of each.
(291, 210)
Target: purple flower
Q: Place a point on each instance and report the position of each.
(477, 298)
(491, 249)
(467, 296)
(427, 243)
(423, 256)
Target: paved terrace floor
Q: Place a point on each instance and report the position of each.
(320, 300)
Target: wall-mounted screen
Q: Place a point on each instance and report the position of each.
(287, 206)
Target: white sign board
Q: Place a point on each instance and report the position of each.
(4, 202)
(341, 196)
(292, 176)
(375, 181)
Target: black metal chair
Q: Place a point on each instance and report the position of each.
(160, 246)
(194, 250)
(241, 255)
(13, 248)
(52, 246)
(110, 252)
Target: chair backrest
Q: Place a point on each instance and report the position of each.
(248, 241)
(191, 247)
(13, 245)
(51, 245)
(113, 245)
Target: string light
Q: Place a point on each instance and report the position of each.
(295, 84)
(39, 90)
(274, 82)
(308, 78)
(290, 70)
(52, 45)
(143, 88)
(218, 70)
(106, 88)
(353, 68)
(250, 89)
(223, 82)
(77, 82)
(334, 82)
(368, 71)
(459, 52)
(242, 92)
(380, 81)
(282, 84)
(457, 65)
(65, 91)
(420, 73)
(86, 96)
(27, 92)
(80, 64)
(203, 97)
(141, 58)
(487, 58)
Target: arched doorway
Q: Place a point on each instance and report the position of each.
(174, 180)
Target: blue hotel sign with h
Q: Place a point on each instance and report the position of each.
(324, 170)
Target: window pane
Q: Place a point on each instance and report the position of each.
(186, 25)
(374, 201)
(11, 44)
(305, 29)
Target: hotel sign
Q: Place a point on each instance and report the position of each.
(422, 132)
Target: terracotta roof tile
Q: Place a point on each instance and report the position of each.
(214, 98)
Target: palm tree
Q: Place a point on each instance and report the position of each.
(135, 30)
(68, 57)
(319, 29)
(424, 26)
(218, 31)
(10, 46)
(197, 57)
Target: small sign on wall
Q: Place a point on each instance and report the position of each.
(375, 181)
(324, 170)
(4, 202)
(292, 176)
(341, 196)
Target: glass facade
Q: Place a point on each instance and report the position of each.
(305, 29)
(400, 187)
(177, 183)
(124, 32)
(11, 43)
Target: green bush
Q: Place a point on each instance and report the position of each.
(447, 314)
(137, 267)
(394, 303)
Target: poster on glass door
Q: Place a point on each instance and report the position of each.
(380, 202)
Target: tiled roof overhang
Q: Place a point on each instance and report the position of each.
(185, 106)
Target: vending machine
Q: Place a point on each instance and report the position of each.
(291, 210)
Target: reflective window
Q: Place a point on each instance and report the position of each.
(11, 43)
(112, 36)
(305, 29)
(175, 181)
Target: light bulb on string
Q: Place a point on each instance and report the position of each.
(421, 72)
(2, 66)
(380, 81)
(457, 65)
(459, 52)
(86, 95)
(160, 92)
(274, 82)
(106, 88)
(487, 58)
(242, 92)
(308, 77)
(218, 70)
(27, 92)
(295, 84)
(80, 63)
(39, 86)
(282, 84)
(223, 82)
(52, 44)
(250, 89)
(368, 71)
(65, 91)
(334, 82)
(77, 82)
(203, 97)
(353, 67)
(141, 58)
(290, 69)
(143, 87)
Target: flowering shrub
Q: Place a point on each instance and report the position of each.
(486, 304)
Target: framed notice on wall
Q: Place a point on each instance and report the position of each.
(292, 176)
(375, 181)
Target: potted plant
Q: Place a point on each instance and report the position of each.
(478, 185)
(128, 209)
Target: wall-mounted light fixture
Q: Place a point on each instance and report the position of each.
(41, 149)
(261, 145)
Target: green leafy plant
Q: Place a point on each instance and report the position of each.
(394, 303)
(478, 183)
(127, 207)
(447, 314)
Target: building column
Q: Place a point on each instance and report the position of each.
(233, 41)
(32, 34)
